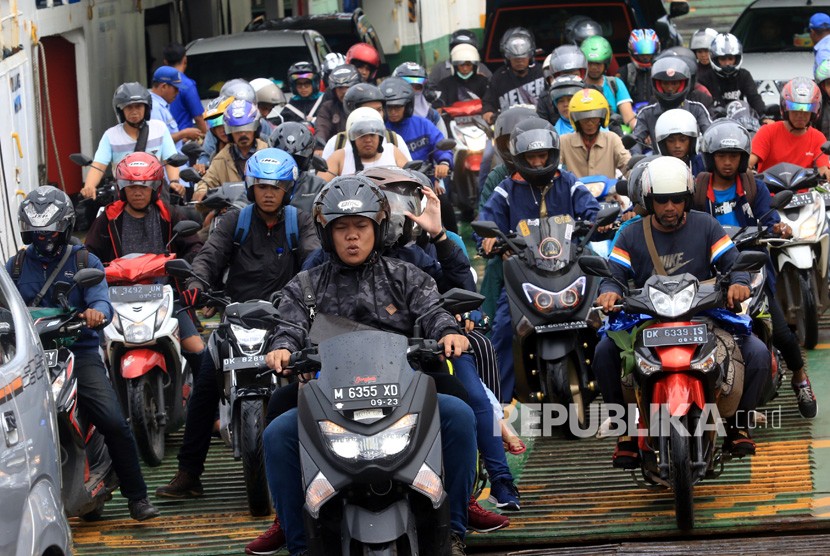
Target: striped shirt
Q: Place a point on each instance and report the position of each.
(115, 144)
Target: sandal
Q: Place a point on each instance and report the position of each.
(739, 443)
(626, 454)
(514, 445)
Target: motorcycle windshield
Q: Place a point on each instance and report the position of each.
(548, 241)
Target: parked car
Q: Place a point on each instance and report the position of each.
(31, 515)
(248, 55)
(777, 45)
(341, 30)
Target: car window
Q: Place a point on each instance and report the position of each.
(775, 29)
(548, 26)
(322, 48)
(212, 69)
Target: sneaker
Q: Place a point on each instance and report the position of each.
(142, 509)
(457, 545)
(269, 542)
(483, 521)
(806, 399)
(504, 495)
(738, 442)
(183, 485)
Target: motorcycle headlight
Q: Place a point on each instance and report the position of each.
(57, 384)
(353, 446)
(318, 492)
(161, 314)
(137, 332)
(250, 340)
(546, 301)
(672, 305)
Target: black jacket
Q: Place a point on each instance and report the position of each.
(453, 88)
(740, 86)
(331, 119)
(506, 89)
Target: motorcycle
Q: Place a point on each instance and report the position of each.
(370, 443)
(604, 190)
(471, 134)
(88, 475)
(678, 377)
(802, 260)
(238, 347)
(550, 307)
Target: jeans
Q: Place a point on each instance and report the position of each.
(97, 399)
(280, 442)
(502, 338)
(201, 414)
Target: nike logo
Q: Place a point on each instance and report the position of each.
(674, 262)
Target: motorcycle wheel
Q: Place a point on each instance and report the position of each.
(144, 407)
(681, 476)
(807, 325)
(562, 385)
(252, 424)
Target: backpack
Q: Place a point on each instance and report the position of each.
(243, 226)
(702, 188)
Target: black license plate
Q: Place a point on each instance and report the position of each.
(366, 396)
(554, 326)
(243, 362)
(137, 293)
(674, 335)
(800, 200)
(51, 356)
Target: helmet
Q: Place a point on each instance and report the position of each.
(506, 122)
(666, 175)
(463, 36)
(725, 136)
(518, 42)
(241, 115)
(364, 121)
(139, 168)
(702, 38)
(687, 56)
(564, 86)
(268, 92)
(331, 61)
(464, 53)
(670, 68)
(643, 42)
(635, 189)
(360, 94)
(672, 122)
(411, 72)
(538, 136)
(239, 89)
(589, 103)
(597, 49)
(398, 92)
(365, 53)
(725, 44)
(295, 139)
(567, 58)
(272, 167)
(46, 209)
(823, 71)
(303, 70)
(344, 75)
(216, 107)
(580, 27)
(546, 73)
(403, 190)
(801, 95)
(131, 93)
(350, 196)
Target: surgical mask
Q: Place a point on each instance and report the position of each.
(464, 75)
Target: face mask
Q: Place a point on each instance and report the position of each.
(464, 75)
(48, 246)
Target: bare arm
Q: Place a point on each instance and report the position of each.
(93, 178)
(627, 113)
(335, 162)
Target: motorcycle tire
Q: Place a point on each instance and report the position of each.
(680, 460)
(562, 386)
(251, 427)
(808, 314)
(144, 406)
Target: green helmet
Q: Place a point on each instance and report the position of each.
(597, 49)
(823, 71)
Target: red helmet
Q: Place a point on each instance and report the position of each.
(139, 169)
(366, 53)
(801, 94)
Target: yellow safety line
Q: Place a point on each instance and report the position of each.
(822, 346)
(821, 443)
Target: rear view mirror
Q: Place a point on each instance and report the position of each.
(88, 277)
(178, 268)
(186, 228)
(749, 261)
(595, 266)
(80, 159)
(176, 160)
(607, 216)
(677, 8)
(445, 145)
(783, 198)
(628, 141)
(486, 228)
(319, 164)
(622, 187)
(825, 148)
(458, 301)
(190, 175)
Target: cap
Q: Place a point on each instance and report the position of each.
(171, 76)
(820, 21)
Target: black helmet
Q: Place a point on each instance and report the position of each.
(398, 92)
(688, 56)
(463, 36)
(670, 68)
(532, 135)
(517, 42)
(725, 136)
(46, 209)
(131, 93)
(295, 139)
(404, 192)
(505, 124)
(350, 196)
(344, 75)
(303, 70)
(580, 27)
(360, 94)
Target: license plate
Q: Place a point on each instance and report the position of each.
(826, 197)
(244, 362)
(575, 325)
(674, 335)
(361, 397)
(800, 200)
(51, 356)
(136, 293)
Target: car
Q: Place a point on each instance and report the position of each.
(342, 30)
(776, 43)
(32, 515)
(248, 55)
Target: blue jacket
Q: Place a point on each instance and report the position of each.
(37, 269)
(421, 135)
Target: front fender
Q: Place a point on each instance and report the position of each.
(138, 362)
(556, 346)
(800, 256)
(678, 391)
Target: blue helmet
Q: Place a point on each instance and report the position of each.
(273, 167)
(240, 115)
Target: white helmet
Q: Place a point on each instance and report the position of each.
(666, 175)
(675, 121)
(702, 39)
(548, 75)
(268, 91)
(464, 52)
(364, 121)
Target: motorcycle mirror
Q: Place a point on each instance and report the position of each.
(191, 175)
(749, 261)
(445, 145)
(176, 160)
(629, 141)
(192, 148)
(186, 228)
(88, 277)
(319, 164)
(607, 216)
(622, 187)
(595, 266)
(825, 148)
(782, 198)
(80, 159)
(178, 268)
(458, 301)
(678, 8)
(413, 165)
(485, 228)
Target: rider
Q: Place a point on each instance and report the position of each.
(519, 81)
(565, 60)
(331, 118)
(823, 80)
(46, 218)
(728, 81)
(676, 134)
(699, 44)
(440, 72)
(214, 113)
(359, 284)
(298, 141)
(304, 80)
(736, 198)
(643, 46)
(269, 97)
(187, 108)
(686, 242)
(599, 54)
(562, 90)
(258, 266)
(366, 59)
(464, 83)
(416, 75)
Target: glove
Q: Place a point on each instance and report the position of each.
(191, 297)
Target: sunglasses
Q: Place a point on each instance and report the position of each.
(673, 199)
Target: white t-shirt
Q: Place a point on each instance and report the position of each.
(330, 144)
(387, 158)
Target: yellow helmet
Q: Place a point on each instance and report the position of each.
(589, 103)
(217, 107)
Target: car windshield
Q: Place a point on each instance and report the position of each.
(211, 69)
(775, 29)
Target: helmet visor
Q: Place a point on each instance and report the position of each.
(371, 127)
(399, 203)
(414, 80)
(285, 185)
(296, 76)
(792, 106)
(153, 184)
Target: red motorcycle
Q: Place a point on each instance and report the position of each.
(471, 134)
